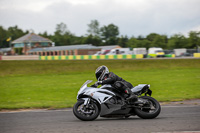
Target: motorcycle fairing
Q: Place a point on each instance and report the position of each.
(100, 95)
(110, 108)
(110, 103)
(142, 88)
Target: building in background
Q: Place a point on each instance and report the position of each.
(27, 42)
(84, 49)
(33, 44)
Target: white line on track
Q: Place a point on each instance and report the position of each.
(36, 110)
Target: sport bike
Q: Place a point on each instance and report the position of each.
(107, 101)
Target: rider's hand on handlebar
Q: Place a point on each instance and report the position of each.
(98, 83)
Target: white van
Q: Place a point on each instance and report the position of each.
(156, 52)
(123, 51)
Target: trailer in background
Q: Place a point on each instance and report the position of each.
(179, 52)
(139, 51)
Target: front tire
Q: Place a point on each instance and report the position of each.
(89, 113)
(150, 110)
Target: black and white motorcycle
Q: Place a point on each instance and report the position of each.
(106, 101)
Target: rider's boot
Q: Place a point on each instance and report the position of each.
(130, 96)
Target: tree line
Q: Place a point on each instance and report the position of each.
(106, 35)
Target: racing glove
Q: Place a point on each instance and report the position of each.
(96, 84)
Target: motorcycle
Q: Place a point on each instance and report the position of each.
(108, 102)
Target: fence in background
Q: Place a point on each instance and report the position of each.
(82, 57)
(91, 57)
(20, 57)
(197, 55)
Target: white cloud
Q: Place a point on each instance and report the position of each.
(133, 17)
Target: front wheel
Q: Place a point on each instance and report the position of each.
(86, 113)
(149, 110)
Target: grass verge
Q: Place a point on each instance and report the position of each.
(54, 84)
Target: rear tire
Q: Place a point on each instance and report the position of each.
(86, 114)
(151, 111)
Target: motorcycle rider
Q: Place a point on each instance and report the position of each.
(105, 77)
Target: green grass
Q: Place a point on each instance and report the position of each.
(54, 84)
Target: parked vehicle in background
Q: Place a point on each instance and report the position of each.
(102, 52)
(98, 53)
(140, 51)
(180, 51)
(185, 54)
(116, 51)
(156, 52)
(105, 52)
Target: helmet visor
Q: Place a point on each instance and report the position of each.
(98, 75)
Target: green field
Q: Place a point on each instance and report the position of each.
(54, 84)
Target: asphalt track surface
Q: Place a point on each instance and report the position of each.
(172, 118)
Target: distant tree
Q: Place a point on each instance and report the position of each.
(61, 29)
(144, 43)
(62, 36)
(135, 43)
(109, 34)
(106, 35)
(3, 38)
(95, 40)
(177, 41)
(122, 41)
(140, 37)
(111, 41)
(44, 34)
(15, 32)
(93, 28)
(157, 40)
(194, 39)
(151, 37)
(132, 42)
(12, 32)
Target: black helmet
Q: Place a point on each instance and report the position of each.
(101, 72)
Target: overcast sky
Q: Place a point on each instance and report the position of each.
(133, 17)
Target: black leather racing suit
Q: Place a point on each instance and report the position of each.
(118, 83)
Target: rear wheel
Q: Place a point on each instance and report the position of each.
(149, 110)
(89, 113)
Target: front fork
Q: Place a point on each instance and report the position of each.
(86, 102)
